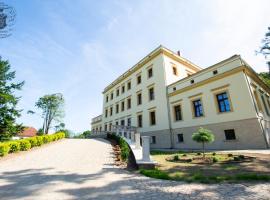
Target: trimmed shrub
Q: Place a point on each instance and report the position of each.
(230, 155)
(199, 153)
(215, 160)
(4, 149)
(39, 140)
(24, 145)
(14, 146)
(33, 141)
(184, 155)
(214, 153)
(176, 158)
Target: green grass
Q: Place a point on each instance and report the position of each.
(156, 152)
(199, 177)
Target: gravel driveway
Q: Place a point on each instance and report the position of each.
(83, 169)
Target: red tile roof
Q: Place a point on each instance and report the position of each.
(28, 132)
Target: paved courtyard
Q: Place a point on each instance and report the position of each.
(83, 169)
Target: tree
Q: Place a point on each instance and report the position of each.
(86, 133)
(265, 48)
(60, 127)
(8, 102)
(52, 109)
(203, 136)
(265, 78)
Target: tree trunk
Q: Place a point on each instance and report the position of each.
(203, 150)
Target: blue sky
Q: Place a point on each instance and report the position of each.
(79, 47)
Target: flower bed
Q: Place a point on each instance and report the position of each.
(28, 143)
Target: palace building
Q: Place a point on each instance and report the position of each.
(168, 98)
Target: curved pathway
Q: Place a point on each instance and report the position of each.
(83, 169)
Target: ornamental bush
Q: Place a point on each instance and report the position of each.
(33, 141)
(39, 140)
(4, 149)
(24, 145)
(14, 146)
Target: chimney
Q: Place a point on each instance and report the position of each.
(178, 53)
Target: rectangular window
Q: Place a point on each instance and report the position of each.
(117, 92)
(258, 103)
(230, 134)
(180, 137)
(129, 85)
(151, 94)
(150, 73)
(117, 108)
(175, 71)
(129, 121)
(223, 102)
(116, 123)
(105, 127)
(153, 139)
(265, 106)
(110, 127)
(122, 122)
(106, 113)
(107, 98)
(197, 108)
(139, 98)
(111, 96)
(152, 118)
(111, 111)
(128, 103)
(139, 79)
(139, 118)
(122, 106)
(177, 113)
(123, 89)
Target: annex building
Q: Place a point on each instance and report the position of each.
(168, 98)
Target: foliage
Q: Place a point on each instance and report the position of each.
(215, 159)
(40, 132)
(14, 146)
(52, 109)
(155, 173)
(60, 127)
(86, 133)
(24, 145)
(203, 136)
(265, 76)
(176, 158)
(265, 48)
(8, 102)
(125, 151)
(4, 149)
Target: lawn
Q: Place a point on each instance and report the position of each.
(214, 168)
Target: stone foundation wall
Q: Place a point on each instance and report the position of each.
(248, 136)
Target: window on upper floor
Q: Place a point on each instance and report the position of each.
(150, 72)
(151, 94)
(106, 113)
(116, 123)
(129, 122)
(111, 111)
(264, 104)
(139, 79)
(197, 108)
(128, 103)
(152, 116)
(175, 72)
(122, 106)
(105, 127)
(139, 120)
(177, 113)
(139, 98)
(107, 98)
(258, 103)
(117, 108)
(117, 92)
(122, 122)
(215, 72)
(123, 89)
(111, 96)
(129, 85)
(223, 101)
(230, 134)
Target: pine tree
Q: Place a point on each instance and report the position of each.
(8, 102)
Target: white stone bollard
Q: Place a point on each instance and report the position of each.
(132, 137)
(123, 133)
(146, 148)
(137, 140)
(117, 131)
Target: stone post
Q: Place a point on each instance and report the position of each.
(146, 148)
(137, 140)
(122, 133)
(132, 137)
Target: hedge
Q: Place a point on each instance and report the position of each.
(123, 146)
(28, 143)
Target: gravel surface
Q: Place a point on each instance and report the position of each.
(83, 169)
